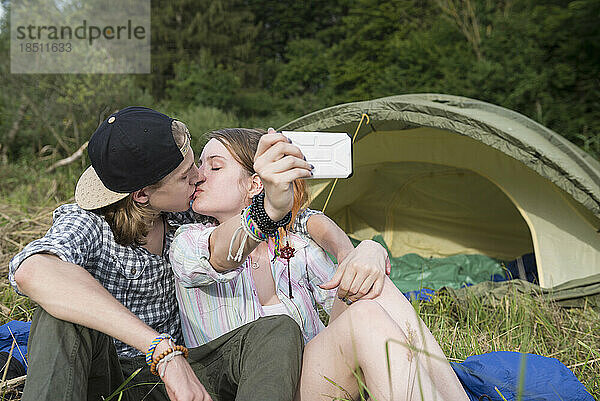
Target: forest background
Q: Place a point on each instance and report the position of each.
(261, 63)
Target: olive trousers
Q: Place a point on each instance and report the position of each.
(258, 361)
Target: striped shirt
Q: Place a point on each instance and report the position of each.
(213, 303)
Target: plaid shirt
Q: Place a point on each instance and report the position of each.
(140, 280)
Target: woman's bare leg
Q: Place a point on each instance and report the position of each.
(357, 338)
(403, 314)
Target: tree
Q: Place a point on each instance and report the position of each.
(186, 31)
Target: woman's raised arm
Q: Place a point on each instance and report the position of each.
(278, 163)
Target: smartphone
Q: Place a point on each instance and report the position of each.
(329, 152)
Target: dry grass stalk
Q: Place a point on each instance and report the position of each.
(18, 228)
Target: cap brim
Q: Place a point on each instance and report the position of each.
(91, 193)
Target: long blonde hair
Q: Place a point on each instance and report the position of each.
(242, 143)
(131, 221)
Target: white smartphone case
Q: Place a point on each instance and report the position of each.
(329, 152)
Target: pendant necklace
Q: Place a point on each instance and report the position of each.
(287, 252)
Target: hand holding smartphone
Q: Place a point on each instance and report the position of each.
(329, 152)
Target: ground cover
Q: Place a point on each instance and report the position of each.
(517, 323)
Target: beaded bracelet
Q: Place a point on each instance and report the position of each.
(155, 362)
(262, 219)
(163, 336)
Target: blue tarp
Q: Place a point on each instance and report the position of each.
(541, 378)
(15, 330)
(424, 294)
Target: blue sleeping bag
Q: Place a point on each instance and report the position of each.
(543, 378)
(20, 333)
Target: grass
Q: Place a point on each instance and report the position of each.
(519, 323)
(473, 326)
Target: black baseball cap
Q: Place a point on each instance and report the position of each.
(131, 149)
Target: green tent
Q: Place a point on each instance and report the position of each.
(441, 175)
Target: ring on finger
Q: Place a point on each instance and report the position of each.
(349, 302)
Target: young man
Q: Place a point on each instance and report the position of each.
(105, 288)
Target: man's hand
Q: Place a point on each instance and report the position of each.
(278, 163)
(181, 382)
(361, 274)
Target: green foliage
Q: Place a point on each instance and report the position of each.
(56, 114)
(200, 120)
(186, 31)
(257, 103)
(359, 58)
(282, 22)
(25, 182)
(263, 60)
(208, 85)
(303, 72)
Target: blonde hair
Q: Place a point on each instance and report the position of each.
(242, 143)
(131, 221)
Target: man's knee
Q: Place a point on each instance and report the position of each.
(281, 326)
(48, 331)
(63, 356)
(46, 328)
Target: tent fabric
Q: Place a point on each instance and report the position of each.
(441, 175)
(534, 377)
(576, 293)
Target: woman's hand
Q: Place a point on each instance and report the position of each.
(278, 163)
(361, 274)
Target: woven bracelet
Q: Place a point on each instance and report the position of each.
(163, 336)
(250, 227)
(161, 366)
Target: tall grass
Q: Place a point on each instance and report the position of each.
(519, 322)
(462, 327)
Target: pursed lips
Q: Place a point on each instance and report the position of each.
(195, 193)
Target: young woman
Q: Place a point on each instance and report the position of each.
(217, 294)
